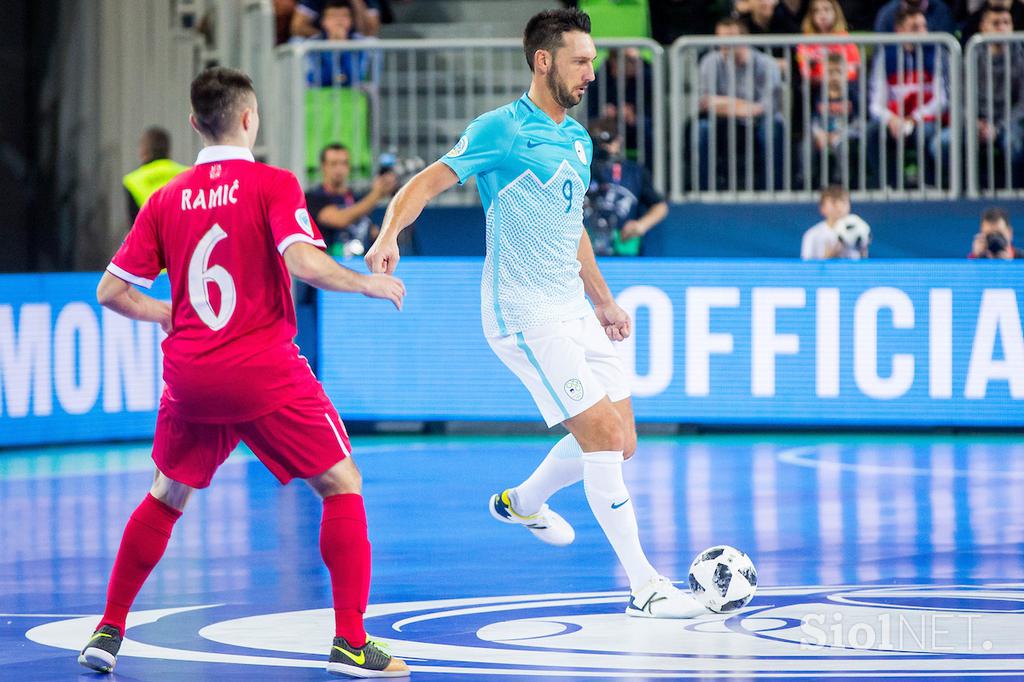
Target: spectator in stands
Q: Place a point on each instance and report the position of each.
(342, 215)
(972, 21)
(825, 17)
(936, 12)
(367, 15)
(1000, 120)
(908, 98)
(344, 69)
(157, 169)
(860, 14)
(995, 238)
(605, 98)
(671, 19)
(770, 17)
(840, 235)
(835, 125)
(740, 87)
(283, 12)
(622, 204)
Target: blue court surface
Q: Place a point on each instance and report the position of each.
(897, 556)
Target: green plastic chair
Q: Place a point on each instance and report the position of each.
(338, 115)
(618, 18)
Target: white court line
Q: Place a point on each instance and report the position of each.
(798, 457)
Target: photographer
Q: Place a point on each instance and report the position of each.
(995, 239)
(342, 216)
(622, 204)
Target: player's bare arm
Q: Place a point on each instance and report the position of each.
(314, 267)
(403, 211)
(121, 297)
(614, 319)
(335, 216)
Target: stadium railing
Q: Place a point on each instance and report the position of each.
(413, 99)
(995, 166)
(738, 157)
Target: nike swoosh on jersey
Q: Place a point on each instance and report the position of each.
(616, 506)
(530, 144)
(358, 660)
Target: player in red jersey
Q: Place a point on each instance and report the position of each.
(231, 232)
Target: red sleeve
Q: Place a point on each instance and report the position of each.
(290, 222)
(139, 260)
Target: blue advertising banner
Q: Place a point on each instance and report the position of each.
(69, 370)
(887, 343)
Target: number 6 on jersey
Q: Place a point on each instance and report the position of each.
(199, 275)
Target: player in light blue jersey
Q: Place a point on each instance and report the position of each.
(532, 167)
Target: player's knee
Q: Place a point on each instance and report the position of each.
(170, 492)
(341, 479)
(610, 437)
(630, 445)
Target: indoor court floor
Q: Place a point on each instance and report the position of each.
(895, 556)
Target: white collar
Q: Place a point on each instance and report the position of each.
(223, 152)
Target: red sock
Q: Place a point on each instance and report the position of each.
(143, 543)
(346, 551)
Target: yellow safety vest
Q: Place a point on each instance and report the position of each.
(146, 179)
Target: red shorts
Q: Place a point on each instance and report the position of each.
(301, 439)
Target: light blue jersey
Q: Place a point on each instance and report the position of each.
(532, 174)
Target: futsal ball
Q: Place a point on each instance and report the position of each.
(723, 578)
(853, 231)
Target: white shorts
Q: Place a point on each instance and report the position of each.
(567, 366)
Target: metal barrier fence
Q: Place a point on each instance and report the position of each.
(777, 118)
(413, 99)
(994, 114)
(821, 122)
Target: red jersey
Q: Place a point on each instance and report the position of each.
(220, 230)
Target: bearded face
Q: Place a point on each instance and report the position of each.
(562, 92)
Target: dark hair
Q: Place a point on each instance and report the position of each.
(604, 130)
(994, 215)
(989, 8)
(906, 11)
(833, 192)
(734, 22)
(544, 30)
(157, 142)
(332, 147)
(218, 96)
(337, 4)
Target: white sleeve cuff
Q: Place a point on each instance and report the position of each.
(121, 273)
(292, 238)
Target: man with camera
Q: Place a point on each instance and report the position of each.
(622, 204)
(343, 216)
(995, 238)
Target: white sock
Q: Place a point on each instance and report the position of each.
(562, 467)
(609, 500)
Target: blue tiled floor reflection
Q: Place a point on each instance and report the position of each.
(811, 510)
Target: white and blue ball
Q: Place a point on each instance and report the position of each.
(723, 578)
(854, 232)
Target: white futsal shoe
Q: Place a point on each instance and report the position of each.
(659, 598)
(546, 525)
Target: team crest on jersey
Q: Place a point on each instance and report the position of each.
(215, 171)
(580, 151)
(459, 148)
(574, 389)
(302, 218)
